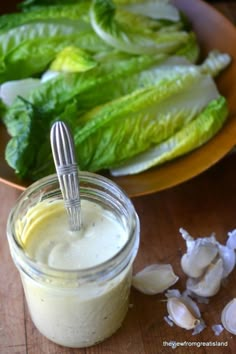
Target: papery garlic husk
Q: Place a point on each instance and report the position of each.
(209, 284)
(217, 329)
(200, 253)
(181, 314)
(228, 316)
(231, 242)
(228, 257)
(154, 279)
(197, 298)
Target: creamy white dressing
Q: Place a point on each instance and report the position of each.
(51, 242)
(83, 314)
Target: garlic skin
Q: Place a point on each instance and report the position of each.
(217, 329)
(210, 283)
(231, 242)
(181, 314)
(154, 279)
(228, 257)
(228, 316)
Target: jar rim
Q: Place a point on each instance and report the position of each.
(105, 270)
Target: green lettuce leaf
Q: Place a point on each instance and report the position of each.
(106, 81)
(126, 36)
(190, 49)
(188, 138)
(31, 135)
(28, 49)
(215, 63)
(109, 135)
(64, 95)
(158, 9)
(77, 11)
(73, 59)
(28, 5)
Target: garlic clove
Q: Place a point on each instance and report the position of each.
(184, 312)
(180, 314)
(154, 279)
(200, 253)
(186, 298)
(228, 316)
(209, 284)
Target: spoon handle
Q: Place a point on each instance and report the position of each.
(63, 151)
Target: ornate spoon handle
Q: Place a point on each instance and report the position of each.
(63, 150)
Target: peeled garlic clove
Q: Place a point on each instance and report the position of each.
(200, 253)
(209, 284)
(155, 279)
(186, 299)
(228, 316)
(180, 314)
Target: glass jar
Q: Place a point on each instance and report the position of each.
(76, 308)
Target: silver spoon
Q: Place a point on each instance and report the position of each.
(63, 151)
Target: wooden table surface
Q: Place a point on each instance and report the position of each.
(202, 205)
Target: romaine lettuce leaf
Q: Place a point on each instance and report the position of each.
(190, 49)
(158, 9)
(28, 49)
(106, 81)
(109, 135)
(215, 63)
(20, 149)
(73, 59)
(77, 11)
(126, 36)
(188, 138)
(31, 5)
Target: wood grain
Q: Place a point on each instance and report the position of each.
(12, 313)
(202, 205)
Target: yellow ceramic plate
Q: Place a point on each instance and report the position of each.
(214, 31)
